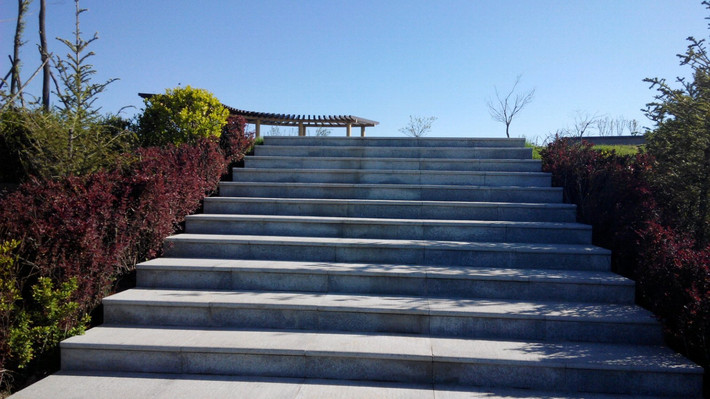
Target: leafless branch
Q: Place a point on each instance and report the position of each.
(504, 109)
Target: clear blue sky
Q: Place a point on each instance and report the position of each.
(383, 59)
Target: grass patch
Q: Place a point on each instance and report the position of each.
(619, 149)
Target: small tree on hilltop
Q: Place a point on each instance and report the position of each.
(418, 126)
(504, 109)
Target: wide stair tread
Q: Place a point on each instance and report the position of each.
(285, 161)
(121, 385)
(395, 141)
(389, 357)
(380, 191)
(391, 176)
(387, 279)
(344, 207)
(399, 152)
(319, 226)
(483, 318)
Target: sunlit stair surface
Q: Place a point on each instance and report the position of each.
(378, 268)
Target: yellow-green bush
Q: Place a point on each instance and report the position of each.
(181, 115)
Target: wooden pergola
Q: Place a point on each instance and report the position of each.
(301, 121)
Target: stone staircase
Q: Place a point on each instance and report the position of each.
(378, 267)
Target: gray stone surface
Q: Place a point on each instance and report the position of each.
(394, 141)
(446, 210)
(475, 178)
(499, 165)
(408, 192)
(98, 385)
(399, 152)
(357, 250)
(435, 281)
(416, 229)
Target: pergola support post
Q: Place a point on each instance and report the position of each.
(258, 128)
(362, 131)
(348, 129)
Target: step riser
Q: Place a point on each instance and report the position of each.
(391, 231)
(305, 365)
(286, 190)
(387, 177)
(385, 285)
(510, 165)
(393, 142)
(393, 255)
(375, 210)
(314, 319)
(393, 152)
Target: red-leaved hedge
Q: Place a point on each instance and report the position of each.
(98, 226)
(95, 228)
(613, 194)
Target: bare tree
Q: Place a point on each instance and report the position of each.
(634, 127)
(617, 126)
(44, 54)
(274, 131)
(504, 109)
(15, 83)
(323, 131)
(583, 122)
(418, 126)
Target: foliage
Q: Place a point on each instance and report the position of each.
(611, 193)
(53, 318)
(74, 236)
(505, 108)
(674, 283)
(681, 145)
(614, 194)
(233, 141)
(9, 295)
(78, 93)
(418, 126)
(619, 149)
(37, 144)
(74, 139)
(181, 115)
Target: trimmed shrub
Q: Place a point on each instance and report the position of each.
(674, 282)
(610, 192)
(181, 115)
(73, 237)
(613, 194)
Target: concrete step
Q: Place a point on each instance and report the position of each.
(118, 385)
(443, 210)
(519, 179)
(413, 192)
(500, 165)
(411, 229)
(387, 279)
(419, 252)
(393, 141)
(560, 366)
(437, 317)
(395, 152)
